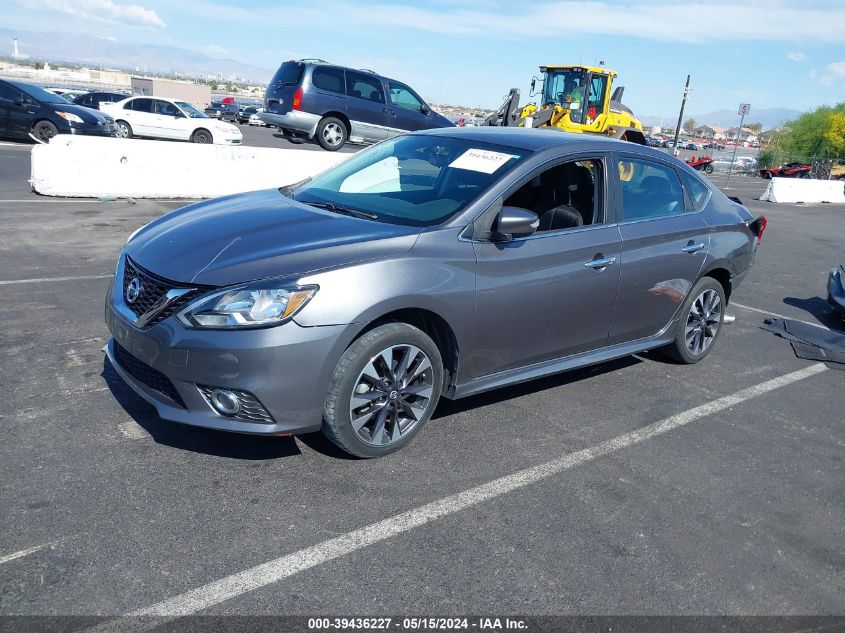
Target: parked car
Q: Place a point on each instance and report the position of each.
(157, 117)
(788, 170)
(214, 110)
(333, 104)
(94, 99)
(691, 146)
(28, 109)
(500, 260)
(245, 113)
(228, 112)
(255, 119)
(67, 94)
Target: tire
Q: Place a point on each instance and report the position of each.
(767, 175)
(331, 134)
(368, 411)
(695, 336)
(202, 137)
(44, 131)
(806, 175)
(708, 169)
(124, 130)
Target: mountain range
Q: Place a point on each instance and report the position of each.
(767, 117)
(99, 51)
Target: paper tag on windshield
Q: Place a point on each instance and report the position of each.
(481, 160)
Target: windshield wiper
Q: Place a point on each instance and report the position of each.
(355, 213)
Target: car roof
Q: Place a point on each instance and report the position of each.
(537, 139)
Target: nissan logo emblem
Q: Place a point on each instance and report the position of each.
(133, 290)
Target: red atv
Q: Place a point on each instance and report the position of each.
(788, 170)
(704, 163)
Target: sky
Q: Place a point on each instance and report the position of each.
(769, 53)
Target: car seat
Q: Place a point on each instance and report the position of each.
(560, 217)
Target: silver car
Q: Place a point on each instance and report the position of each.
(440, 263)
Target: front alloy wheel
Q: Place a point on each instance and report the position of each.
(383, 391)
(391, 395)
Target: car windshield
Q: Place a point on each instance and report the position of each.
(418, 180)
(39, 94)
(191, 111)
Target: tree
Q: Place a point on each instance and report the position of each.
(755, 127)
(39, 65)
(819, 133)
(689, 126)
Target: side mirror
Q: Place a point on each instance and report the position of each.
(533, 83)
(514, 222)
(425, 109)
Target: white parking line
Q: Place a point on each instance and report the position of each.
(261, 575)
(41, 280)
(774, 314)
(28, 551)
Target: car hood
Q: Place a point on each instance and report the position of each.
(259, 235)
(86, 114)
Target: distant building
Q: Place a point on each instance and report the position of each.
(710, 132)
(743, 136)
(197, 94)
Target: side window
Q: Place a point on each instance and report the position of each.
(140, 105)
(8, 93)
(402, 97)
(166, 108)
(364, 87)
(328, 78)
(696, 189)
(566, 196)
(649, 190)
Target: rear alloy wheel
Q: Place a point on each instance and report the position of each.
(700, 322)
(331, 134)
(708, 169)
(124, 130)
(384, 390)
(44, 131)
(201, 136)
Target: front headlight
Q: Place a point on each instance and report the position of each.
(70, 117)
(246, 307)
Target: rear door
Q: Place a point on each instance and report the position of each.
(367, 108)
(141, 116)
(327, 92)
(664, 245)
(404, 109)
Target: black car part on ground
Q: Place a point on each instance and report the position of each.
(810, 342)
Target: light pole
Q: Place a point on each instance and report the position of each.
(680, 118)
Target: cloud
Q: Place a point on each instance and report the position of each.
(797, 56)
(692, 22)
(833, 74)
(215, 50)
(100, 10)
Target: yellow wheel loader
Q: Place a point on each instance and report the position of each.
(573, 99)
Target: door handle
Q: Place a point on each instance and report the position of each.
(693, 247)
(600, 263)
(389, 111)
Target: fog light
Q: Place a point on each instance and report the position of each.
(225, 402)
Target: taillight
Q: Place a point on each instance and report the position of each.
(297, 99)
(758, 227)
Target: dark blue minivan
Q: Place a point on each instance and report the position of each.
(315, 100)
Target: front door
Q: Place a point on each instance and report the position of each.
(404, 109)
(663, 248)
(551, 294)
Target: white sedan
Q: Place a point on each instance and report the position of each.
(157, 117)
(254, 119)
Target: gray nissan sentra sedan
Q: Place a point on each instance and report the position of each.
(441, 263)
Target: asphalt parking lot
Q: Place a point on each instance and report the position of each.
(733, 506)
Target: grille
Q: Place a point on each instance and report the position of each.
(251, 409)
(145, 374)
(153, 288)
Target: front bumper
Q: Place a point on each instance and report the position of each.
(295, 121)
(286, 368)
(92, 129)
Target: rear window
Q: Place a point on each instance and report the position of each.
(327, 78)
(696, 189)
(289, 74)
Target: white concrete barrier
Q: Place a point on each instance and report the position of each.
(132, 168)
(804, 190)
